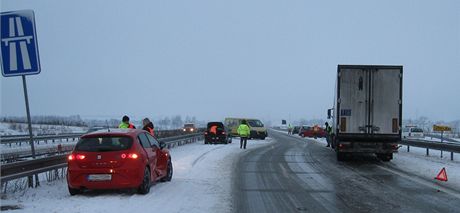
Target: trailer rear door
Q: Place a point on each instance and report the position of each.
(386, 100)
(353, 100)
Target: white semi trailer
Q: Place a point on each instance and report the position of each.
(367, 112)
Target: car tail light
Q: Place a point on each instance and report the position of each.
(76, 157)
(205, 133)
(341, 146)
(223, 133)
(131, 155)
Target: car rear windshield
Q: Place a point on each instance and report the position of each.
(417, 130)
(218, 124)
(255, 123)
(104, 144)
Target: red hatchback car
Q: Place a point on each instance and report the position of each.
(313, 132)
(118, 159)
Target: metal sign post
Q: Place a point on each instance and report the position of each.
(19, 56)
(29, 121)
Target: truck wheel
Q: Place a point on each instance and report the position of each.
(341, 156)
(385, 157)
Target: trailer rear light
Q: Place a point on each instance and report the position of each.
(343, 124)
(395, 125)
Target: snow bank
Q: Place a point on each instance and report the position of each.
(201, 183)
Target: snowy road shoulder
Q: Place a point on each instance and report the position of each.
(201, 183)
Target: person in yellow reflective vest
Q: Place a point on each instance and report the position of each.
(125, 124)
(243, 131)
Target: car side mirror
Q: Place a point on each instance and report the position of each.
(162, 145)
(329, 113)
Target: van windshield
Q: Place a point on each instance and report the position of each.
(103, 144)
(255, 123)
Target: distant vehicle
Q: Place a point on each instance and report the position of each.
(367, 112)
(257, 127)
(216, 132)
(412, 132)
(119, 159)
(296, 130)
(189, 127)
(314, 132)
(96, 128)
(302, 129)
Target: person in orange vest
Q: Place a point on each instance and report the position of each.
(125, 124)
(148, 126)
(213, 130)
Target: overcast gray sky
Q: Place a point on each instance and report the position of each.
(213, 58)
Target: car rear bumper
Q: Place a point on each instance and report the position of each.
(216, 139)
(121, 178)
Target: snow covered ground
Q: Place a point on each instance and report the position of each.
(201, 183)
(21, 128)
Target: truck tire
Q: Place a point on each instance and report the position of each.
(385, 157)
(341, 156)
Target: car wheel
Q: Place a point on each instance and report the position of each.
(144, 188)
(263, 138)
(169, 172)
(341, 156)
(73, 191)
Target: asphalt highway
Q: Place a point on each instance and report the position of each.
(300, 175)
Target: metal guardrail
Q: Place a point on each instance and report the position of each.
(27, 168)
(38, 139)
(451, 147)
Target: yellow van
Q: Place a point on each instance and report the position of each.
(257, 127)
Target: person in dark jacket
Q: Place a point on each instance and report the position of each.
(148, 126)
(328, 134)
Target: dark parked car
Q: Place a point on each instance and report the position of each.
(216, 132)
(119, 159)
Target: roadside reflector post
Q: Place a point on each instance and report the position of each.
(427, 152)
(451, 155)
(408, 148)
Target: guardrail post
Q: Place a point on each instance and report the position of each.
(427, 152)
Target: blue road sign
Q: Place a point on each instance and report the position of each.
(19, 48)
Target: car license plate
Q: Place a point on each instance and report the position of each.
(100, 177)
